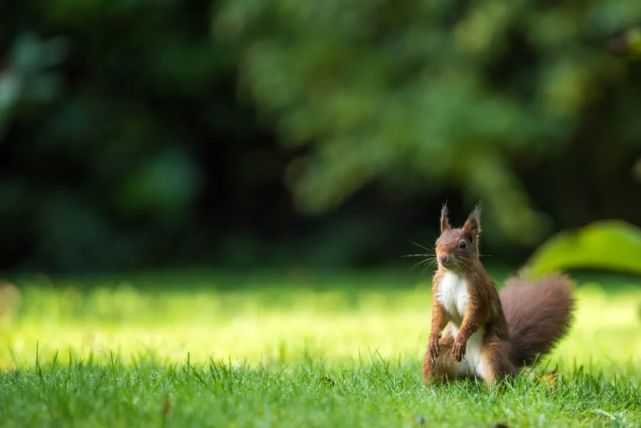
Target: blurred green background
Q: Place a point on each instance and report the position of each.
(138, 134)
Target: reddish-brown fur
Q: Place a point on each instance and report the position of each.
(524, 322)
(538, 314)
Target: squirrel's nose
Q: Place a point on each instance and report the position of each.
(443, 258)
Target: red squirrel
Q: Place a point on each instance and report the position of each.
(487, 335)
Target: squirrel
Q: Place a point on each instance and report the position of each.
(488, 335)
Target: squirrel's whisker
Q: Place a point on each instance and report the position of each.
(431, 250)
(425, 263)
(415, 255)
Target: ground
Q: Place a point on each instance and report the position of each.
(289, 349)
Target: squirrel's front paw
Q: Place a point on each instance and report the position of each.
(433, 347)
(458, 350)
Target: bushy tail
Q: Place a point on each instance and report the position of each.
(538, 314)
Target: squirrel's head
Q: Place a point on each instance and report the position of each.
(457, 248)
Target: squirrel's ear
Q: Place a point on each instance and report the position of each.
(445, 223)
(473, 223)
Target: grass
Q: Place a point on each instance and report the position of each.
(203, 349)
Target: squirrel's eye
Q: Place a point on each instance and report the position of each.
(462, 243)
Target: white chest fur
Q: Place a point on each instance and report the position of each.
(453, 295)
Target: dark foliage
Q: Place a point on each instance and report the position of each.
(125, 141)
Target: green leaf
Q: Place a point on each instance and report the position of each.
(612, 245)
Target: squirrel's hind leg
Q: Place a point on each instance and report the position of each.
(495, 360)
(444, 368)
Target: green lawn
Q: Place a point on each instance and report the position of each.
(294, 349)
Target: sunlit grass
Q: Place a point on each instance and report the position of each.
(310, 337)
(283, 319)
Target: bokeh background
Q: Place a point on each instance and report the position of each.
(138, 134)
(205, 205)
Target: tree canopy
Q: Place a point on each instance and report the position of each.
(144, 132)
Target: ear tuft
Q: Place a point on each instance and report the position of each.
(445, 223)
(473, 223)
